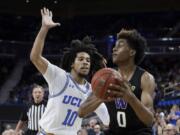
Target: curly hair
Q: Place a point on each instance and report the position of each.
(135, 41)
(80, 46)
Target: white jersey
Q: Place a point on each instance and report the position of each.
(65, 98)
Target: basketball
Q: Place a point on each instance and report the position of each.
(101, 80)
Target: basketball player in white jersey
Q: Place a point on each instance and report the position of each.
(67, 85)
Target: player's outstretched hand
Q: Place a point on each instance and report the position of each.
(47, 21)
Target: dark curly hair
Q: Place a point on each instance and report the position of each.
(81, 46)
(135, 41)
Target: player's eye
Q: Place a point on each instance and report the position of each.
(80, 59)
(88, 60)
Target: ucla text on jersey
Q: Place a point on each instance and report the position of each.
(74, 101)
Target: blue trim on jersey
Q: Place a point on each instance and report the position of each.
(41, 132)
(65, 86)
(87, 85)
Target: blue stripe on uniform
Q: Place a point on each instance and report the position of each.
(84, 91)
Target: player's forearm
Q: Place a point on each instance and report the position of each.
(142, 112)
(19, 126)
(38, 45)
(88, 107)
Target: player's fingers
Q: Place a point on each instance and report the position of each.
(109, 99)
(115, 94)
(42, 13)
(50, 14)
(122, 82)
(115, 87)
(118, 79)
(57, 24)
(108, 93)
(126, 85)
(45, 10)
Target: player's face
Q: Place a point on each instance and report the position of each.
(82, 64)
(121, 51)
(38, 94)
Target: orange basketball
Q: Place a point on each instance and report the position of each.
(102, 79)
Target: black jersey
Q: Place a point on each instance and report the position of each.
(123, 120)
(32, 113)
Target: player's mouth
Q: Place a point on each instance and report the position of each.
(114, 54)
(85, 68)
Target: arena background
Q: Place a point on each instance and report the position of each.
(20, 20)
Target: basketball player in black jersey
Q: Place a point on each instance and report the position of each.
(131, 103)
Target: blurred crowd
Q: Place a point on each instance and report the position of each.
(167, 120)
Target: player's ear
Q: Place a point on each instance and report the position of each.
(132, 52)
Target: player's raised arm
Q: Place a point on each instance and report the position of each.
(36, 53)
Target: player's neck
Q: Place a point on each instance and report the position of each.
(80, 80)
(127, 70)
(77, 78)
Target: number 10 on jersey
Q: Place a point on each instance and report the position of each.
(70, 117)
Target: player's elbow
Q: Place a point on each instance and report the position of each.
(32, 57)
(35, 58)
(149, 121)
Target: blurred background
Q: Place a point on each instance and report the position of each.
(158, 21)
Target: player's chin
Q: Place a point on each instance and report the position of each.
(84, 74)
(114, 60)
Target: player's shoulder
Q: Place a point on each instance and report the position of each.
(148, 81)
(145, 73)
(54, 67)
(55, 72)
(147, 76)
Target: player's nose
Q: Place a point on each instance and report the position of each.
(85, 62)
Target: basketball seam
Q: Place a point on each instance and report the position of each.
(93, 82)
(97, 80)
(105, 85)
